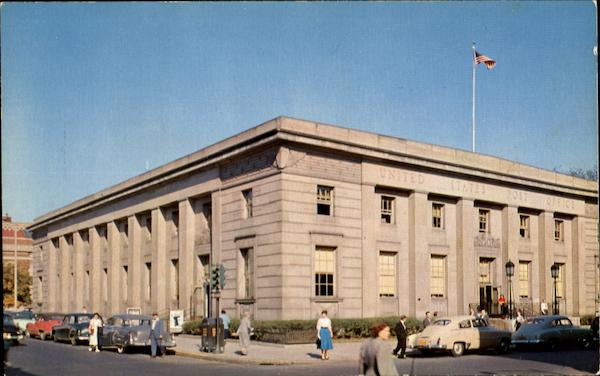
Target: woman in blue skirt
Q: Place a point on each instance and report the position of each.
(325, 334)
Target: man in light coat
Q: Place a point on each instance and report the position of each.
(156, 332)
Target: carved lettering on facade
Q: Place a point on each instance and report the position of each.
(486, 241)
(401, 176)
(466, 187)
(560, 203)
(517, 196)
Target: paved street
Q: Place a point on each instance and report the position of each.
(47, 358)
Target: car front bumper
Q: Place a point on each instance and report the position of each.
(13, 337)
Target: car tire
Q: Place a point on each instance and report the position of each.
(458, 349)
(42, 336)
(54, 338)
(504, 346)
(121, 349)
(27, 334)
(73, 340)
(552, 345)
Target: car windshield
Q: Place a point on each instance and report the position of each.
(8, 320)
(441, 322)
(27, 315)
(82, 319)
(138, 322)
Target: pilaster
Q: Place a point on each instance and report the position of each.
(78, 270)
(546, 241)
(186, 254)
(52, 276)
(159, 263)
(510, 250)
(95, 270)
(418, 255)
(65, 273)
(577, 286)
(114, 255)
(136, 264)
(370, 294)
(467, 263)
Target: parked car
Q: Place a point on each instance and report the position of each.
(11, 332)
(74, 328)
(126, 331)
(460, 333)
(22, 318)
(43, 325)
(550, 332)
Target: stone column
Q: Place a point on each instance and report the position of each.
(114, 254)
(510, 250)
(79, 270)
(186, 254)
(95, 270)
(65, 274)
(546, 241)
(467, 264)
(215, 256)
(577, 284)
(52, 276)
(419, 258)
(136, 264)
(159, 263)
(370, 294)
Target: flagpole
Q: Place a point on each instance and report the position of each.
(473, 63)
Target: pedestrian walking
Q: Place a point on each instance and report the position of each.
(156, 335)
(243, 333)
(93, 332)
(100, 331)
(374, 356)
(226, 320)
(520, 320)
(427, 321)
(400, 331)
(325, 335)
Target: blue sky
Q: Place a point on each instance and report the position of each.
(93, 94)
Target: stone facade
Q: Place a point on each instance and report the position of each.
(307, 216)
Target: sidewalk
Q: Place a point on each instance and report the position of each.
(268, 353)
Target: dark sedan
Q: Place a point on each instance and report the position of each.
(125, 331)
(551, 332)
(10, 331)
(74, 328)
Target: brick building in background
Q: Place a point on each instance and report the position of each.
(14, 238)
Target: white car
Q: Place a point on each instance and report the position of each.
(460, 333)
(22, 318)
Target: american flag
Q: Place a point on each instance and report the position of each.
(489, 62)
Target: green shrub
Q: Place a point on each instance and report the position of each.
(586, 319)
(305, 331)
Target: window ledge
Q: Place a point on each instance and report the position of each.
(245, 301)
(326, 299)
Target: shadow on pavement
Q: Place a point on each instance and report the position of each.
(575, 358)
(314, 356)
(11, 371)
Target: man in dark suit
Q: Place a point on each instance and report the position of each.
(156, 333)
(400, 330)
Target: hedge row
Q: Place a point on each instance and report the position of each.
(342, 328)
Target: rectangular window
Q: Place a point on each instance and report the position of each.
(105, 285)
(124, 286)
(324, 200)
(437, 215)
(485, 271)
(247, 194)
(247, 278)
(148, 281)
(524, 226)
(484, 220)
(387, 274)
(175, 281)
(438, 276)
(203, 269)
(86, 287)
(558, 230)
(387, 209)
(524, 279)
(324, 271)
(560, 281)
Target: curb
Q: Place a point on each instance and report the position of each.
(240, 360)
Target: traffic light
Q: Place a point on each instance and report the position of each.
(215, 278)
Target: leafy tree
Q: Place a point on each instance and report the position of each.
(589, 174)
(24, 286)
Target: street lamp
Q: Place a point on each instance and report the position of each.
(510, 272)
(554, 269)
